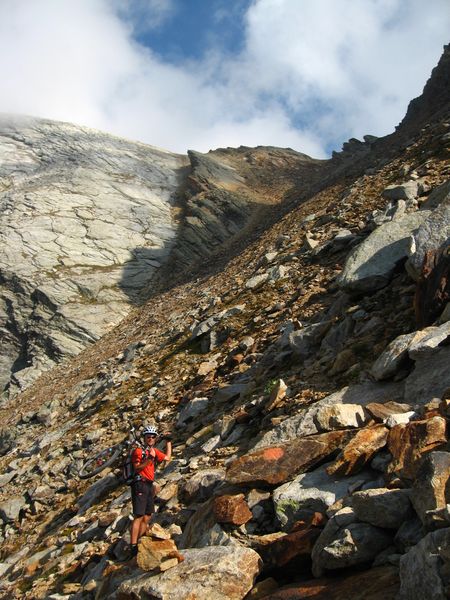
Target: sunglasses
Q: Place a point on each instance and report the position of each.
(151, 435)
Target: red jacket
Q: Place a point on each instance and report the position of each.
(148, 472)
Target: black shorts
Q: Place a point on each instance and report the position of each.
(142, 497)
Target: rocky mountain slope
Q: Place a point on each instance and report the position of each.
(87, 221)
(304, 374)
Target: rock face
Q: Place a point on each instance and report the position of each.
(86, 220)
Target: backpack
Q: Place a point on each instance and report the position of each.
(128, 472)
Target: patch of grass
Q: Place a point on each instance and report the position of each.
(68, 549)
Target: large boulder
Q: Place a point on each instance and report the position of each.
(212, 573)
(345, 543)
(199, 486)
(277, 464)
(231, 509)
(392, 358)
(408, 443)
(203, 530)
(424, 569)
(431, 488)
(429, 340)
(97, 491)
(312, 492)
(10, 509)
(402, 191)
(429, 379)
(359, 451)
(382, 507)
(371, 265)
(432, 233)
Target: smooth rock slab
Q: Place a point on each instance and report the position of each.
(382, 507)
(370, 266)
(311, 492)
(423, 570)
(86, 221)
(212, 573)
(277, 464)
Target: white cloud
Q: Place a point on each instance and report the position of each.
(310, 73)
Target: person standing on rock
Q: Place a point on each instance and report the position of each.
(143, 486)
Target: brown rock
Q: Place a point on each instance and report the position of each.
(207, 367)
(293, 546)
(359, 450)
(381, 583)
(262, 589)
(153, 552)
(345, 359)
(409, 442)
(231, 509)
(278, 464)
(382, 411)
(431, 489)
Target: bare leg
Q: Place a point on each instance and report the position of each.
(144, 523)
(136, 528)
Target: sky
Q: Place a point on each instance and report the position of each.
(203, 74)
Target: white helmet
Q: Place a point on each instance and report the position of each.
(149, 430)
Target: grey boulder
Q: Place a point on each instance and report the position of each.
(370, 266)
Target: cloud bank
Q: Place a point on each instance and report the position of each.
(309, 75)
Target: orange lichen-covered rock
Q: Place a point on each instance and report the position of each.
(409, 442)
(231, 509)
(359, 450)
(276, 464)
(152, 552)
